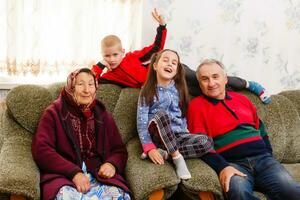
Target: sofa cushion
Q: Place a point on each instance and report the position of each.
(125, 113)
(293, 169)
(55, 89)
(145, 177)
(26, 103)
(294, 96)
(109, 95)
(203, 179)
(1, 128)
(274, 122)
(283, 125)
(19, 174)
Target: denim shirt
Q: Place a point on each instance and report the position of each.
(168, 101)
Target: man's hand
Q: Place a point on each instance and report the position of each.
(81, 182)
(159, 18)
(107, 170)
(226, 174)
(156, 157)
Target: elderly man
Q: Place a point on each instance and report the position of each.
(243, 154)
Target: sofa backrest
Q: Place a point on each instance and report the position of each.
(282, 121)
(292, 125)
(293, 96)
(26, 103)
(1, 128)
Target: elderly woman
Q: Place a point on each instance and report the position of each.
(77, 146)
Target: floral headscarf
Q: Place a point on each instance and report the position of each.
(69, 90)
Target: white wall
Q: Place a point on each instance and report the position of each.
(257, 40)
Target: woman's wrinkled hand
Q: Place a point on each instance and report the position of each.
(81, 182)
(107, 170)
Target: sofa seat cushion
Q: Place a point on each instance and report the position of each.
(293, 170)
(203, 179)
(18, 173)
(26, 104)
(145, 177)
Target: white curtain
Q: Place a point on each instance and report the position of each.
(43, 40)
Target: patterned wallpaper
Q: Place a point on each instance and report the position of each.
(256, 40)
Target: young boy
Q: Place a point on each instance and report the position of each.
(131, 70)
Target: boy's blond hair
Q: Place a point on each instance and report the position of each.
(111, 40)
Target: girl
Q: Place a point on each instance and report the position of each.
(161, 121)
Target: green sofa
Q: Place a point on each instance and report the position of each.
(20, 176)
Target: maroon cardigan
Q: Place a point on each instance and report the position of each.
(57, 154)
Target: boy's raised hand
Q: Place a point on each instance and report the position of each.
(159, 18)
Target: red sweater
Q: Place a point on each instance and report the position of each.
(216, 118)
(232, 123)
(131, 72)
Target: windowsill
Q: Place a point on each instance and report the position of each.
(8, 86)
(7, 83)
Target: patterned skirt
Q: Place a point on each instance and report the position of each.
(98, 191)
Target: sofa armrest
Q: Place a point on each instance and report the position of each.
(145, 177)
(18, 173)
(204, 179)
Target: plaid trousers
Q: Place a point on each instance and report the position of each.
(189, 145)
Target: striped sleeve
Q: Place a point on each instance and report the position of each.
(215, 161)
(97, 69)
(159, 43)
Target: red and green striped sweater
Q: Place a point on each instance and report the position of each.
(234, 126)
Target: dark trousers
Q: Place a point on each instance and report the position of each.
(189, 145)
(264, 174)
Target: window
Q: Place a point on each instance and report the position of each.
(41, 41)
